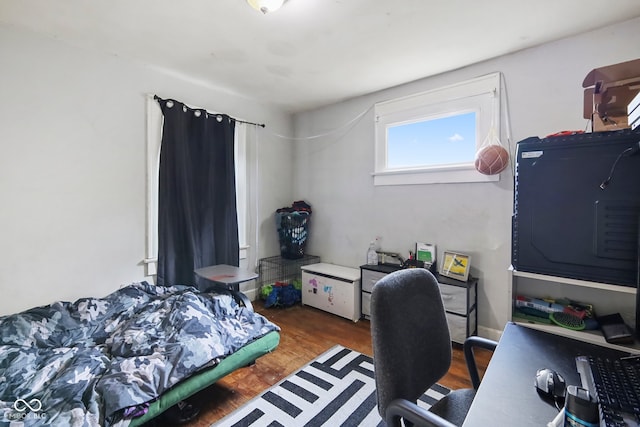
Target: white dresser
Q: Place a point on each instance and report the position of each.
(461, 305)
(370, 276)
(460, 300)
(332, 288)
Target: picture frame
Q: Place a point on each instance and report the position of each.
(455, 265)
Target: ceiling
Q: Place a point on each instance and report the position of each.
(310, 53)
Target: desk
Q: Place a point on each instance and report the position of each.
(507, 396)
(228, 276)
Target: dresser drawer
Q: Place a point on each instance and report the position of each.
(455, 298)
(366, 304)
(458, 327)
(370, 278)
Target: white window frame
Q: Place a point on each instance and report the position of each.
(155, 120)
(242, 186)
(480, 95)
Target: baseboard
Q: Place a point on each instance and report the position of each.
(492, 334)
(252, 294)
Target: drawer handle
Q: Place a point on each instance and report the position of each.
(447, 297)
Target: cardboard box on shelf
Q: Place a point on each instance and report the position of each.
(608, 91)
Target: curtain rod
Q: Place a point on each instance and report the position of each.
(262, 125)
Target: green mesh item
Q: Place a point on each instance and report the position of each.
(265, 291)
(567, 320)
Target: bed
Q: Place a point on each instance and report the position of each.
(123, 359)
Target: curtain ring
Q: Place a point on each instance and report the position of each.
(197, 113)
(219, 118)
(169, 104)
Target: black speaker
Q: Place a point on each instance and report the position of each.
(576, 207)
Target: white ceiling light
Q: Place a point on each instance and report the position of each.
(266, 6)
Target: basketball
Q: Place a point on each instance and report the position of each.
(492, 159)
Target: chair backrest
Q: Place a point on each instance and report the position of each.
(410, 337)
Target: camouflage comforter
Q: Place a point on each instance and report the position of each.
(86, 363)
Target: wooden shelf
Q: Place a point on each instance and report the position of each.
(594, 337)
(626, 300)
(575, 282)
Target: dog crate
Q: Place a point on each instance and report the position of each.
(278, 269)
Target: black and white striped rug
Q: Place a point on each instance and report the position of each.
(335, 389)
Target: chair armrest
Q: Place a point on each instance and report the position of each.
(409, 411)
(469, 344)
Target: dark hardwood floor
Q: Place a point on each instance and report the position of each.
(306, 333)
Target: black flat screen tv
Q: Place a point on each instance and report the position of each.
(576, 206)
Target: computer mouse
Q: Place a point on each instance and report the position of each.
(549, 383)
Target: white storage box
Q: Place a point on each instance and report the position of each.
(332, 288)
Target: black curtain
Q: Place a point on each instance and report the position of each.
(197, 215)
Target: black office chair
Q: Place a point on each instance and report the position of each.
(412, 350)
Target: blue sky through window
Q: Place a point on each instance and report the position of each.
(440, 141)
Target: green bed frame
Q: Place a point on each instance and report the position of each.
(243, 357)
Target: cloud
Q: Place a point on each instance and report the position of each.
(456, 137)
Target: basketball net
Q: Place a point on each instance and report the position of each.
(492, 139)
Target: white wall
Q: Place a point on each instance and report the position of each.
(72, 167)
(333, 174)
(72, 213)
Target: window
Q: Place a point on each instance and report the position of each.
(242, 179)
(432, 137)
(432, 142)
(154, 139)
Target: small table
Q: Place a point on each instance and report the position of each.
(228, 276)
